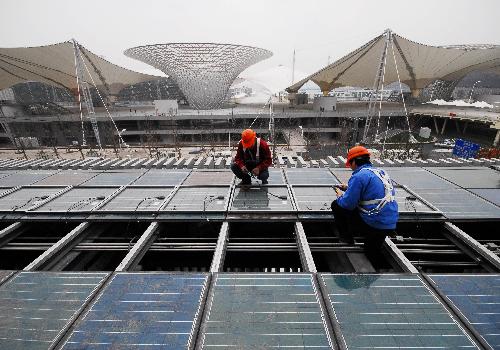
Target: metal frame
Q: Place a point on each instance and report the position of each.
(203, 71)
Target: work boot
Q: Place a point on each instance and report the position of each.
(264, 182)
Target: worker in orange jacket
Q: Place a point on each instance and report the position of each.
(253, 158)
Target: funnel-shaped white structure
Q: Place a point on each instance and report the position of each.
(203, 71)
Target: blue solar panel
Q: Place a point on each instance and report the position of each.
(478, 298)
(35, 307)
(138, 310)
(261, 311)
(391, 311)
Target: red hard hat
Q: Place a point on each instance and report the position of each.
(248, 138)
(356, 151)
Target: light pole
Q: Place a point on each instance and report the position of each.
(472, 90)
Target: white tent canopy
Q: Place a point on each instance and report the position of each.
(418, 64)
(55, 65)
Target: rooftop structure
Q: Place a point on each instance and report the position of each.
(185, 259)
(203, 71)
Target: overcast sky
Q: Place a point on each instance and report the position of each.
(316, 29)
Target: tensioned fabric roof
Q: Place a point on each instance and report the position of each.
(418, 64)
(55, 65)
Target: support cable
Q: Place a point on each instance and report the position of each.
(382, 90)
(84, 142)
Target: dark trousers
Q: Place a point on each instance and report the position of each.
(263, 175)
(349, 224)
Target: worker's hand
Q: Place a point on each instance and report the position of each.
(256, 171)
(337, 192)
(343, 187)
(244, 169)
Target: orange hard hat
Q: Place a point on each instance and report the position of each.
(248, 138)
(355, 152)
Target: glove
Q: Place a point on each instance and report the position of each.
(244, 169)
(256, 171)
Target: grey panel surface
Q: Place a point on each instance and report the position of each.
(418, 178)
(78, 199)
(199, 178)
(391, 311)
(68, 178)
(490, 194)
(27, 197)
(138, 199)
(477, 297)
(197, 198)
(408, 203)
(276, 176)
(310, 176)
(470, 177)
(23, 178)
(264, 311)
(114, 178)
(261, 198)
(460, 204)
(36, 306)
(342, 175)
(139, 310)
(161, 177)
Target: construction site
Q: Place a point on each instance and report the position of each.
(123, 226)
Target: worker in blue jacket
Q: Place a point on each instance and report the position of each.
(367, 206)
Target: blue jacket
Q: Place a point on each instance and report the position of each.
(364, 185)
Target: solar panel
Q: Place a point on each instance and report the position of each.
(199, 178)
(35, 307)
(138, 199)
(342, 175)
(477, 297)
(27, 197)
(199, 199)
(78, 199)
(24, 178)
(276, 176)
(460, 204)
(68, 178)
(470, 177)
(114, 178)
(490, 194)
(139, 310)
(261, 198)
(390, 311)
(263, 311)
(161, 177)
(418, 178)
(310, 176)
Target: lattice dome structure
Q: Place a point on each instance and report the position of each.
(203, 71)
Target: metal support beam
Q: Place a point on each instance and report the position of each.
(220, 250)
(399, 257)
(139, 249)
(458, 126)
(7, 233)
(473, 244)
(465, 127)
(435, 124)
(444, 126)
(56, 248)
(497, 138)
(304, 249)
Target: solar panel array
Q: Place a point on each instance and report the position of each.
(35, 307)
(140, 310)
(477, 297)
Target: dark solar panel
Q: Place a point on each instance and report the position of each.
(24, 178)
(470, 177)
(391, 312)
(35, 307)
(261, 198)
(161, 177)
(314, 198)
(27, 197)
(138, 199)
(68, 178)
(460, 204)
(263, 311)
(490, 194)
(276, 176)
(200, 178)
(114, 178)
(199, 199)
(138, 310)
(477, 297)
(78, 199)
(310, 176)
(418, 178)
